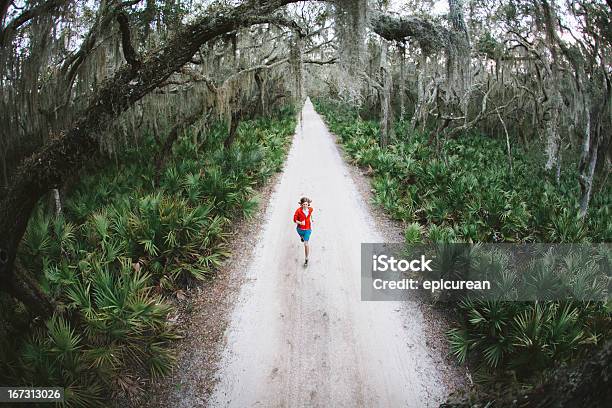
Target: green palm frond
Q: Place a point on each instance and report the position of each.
(37, 240)
(100, 224)
(459, 344)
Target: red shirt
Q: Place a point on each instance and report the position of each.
(300, 216)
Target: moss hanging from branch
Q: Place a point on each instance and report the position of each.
(351, 21)
(386, 114)
(430, 38)
(296, 63)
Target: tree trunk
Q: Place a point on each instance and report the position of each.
(585, 156)
(385, 100)
(419, 106)
(261, 86)
(457, 19)
(555, 100)
(507, 141)
(586, 182)
(232, 129)
(553, 138)
(296, 60)
(25, 287)
(587, 173)
(149, 15)
(402, 85)
(57, 202)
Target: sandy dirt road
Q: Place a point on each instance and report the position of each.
(300, 336)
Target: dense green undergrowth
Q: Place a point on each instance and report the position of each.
(467, 193)
(123, 245)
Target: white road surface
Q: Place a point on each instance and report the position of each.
(301, 336)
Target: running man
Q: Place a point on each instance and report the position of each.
(303, 219)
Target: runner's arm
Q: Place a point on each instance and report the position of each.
(295, 220)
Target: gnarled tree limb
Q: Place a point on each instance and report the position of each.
(129, 53)
(430, 37)
(79, 144)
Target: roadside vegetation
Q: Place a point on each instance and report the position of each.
(121, 248)
(465, 192)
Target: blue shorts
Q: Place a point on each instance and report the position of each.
(303, 233)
